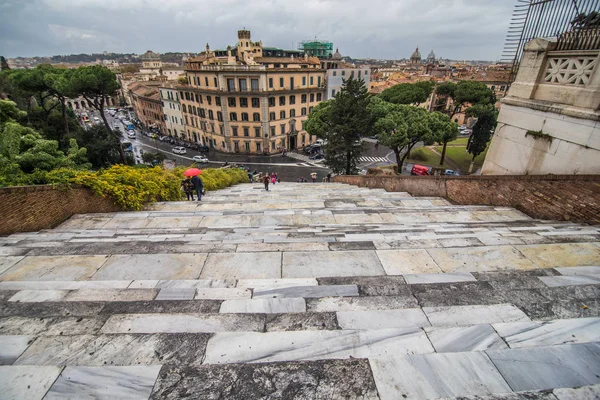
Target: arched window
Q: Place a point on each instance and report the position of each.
(244, 116)
(271, 116)
(184, 108)
(232, 116)
(256, 117)
(303, 111)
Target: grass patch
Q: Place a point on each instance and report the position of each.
(431, 159)
(459, 141)
(460, 156)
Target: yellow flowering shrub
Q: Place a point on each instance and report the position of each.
(132, 187)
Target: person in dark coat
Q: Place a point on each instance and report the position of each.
(198, 186)
(188, 188)
(266, 180)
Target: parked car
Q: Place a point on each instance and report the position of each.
(179, 150)
(451, 172)
(318, 156)
(420, 170)
(131, 135)
(200, 159)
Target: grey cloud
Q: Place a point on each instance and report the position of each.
(459, 29)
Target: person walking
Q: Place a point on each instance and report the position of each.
(188, 188)
(329, 177)
(273, 178)
(199, 186)
(266, 180)
(313, 176)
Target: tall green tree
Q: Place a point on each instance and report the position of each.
(102, 146)
(446, 130)
(96, 84)
(487, 117)
(401, 127)
(341, 122)
(467, 92)
(408, 93)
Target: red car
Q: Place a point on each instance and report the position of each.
(420, 170)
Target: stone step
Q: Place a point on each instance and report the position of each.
(346, 378)
(241, 338)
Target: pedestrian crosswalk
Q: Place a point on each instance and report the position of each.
(373, 159)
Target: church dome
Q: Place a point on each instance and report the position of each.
(431, 56)
(337, 55)
(150, 56)
(416, 56)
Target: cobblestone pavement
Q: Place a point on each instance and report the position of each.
(308, 291)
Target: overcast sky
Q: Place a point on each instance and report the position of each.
(390, 29)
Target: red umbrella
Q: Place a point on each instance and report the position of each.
(192, 172)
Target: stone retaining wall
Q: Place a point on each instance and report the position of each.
(31, 208)
(558, 197)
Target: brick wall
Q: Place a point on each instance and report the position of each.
(31, 208)
(559, 197)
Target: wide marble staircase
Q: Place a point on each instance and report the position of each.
(308, 291)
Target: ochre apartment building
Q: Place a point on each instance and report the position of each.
(250, 98)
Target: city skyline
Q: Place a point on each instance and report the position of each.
(455, 29)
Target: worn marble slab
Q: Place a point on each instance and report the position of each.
(448, 277)
(232, 347)
(62, 285)
(196, 284)
(182, 323)
(330, 263)
(120, 349)
(549, 333)
(480, 259)
(223, 293)
(180, 222)
(268, 306)
(562, 255)
(465, 338)
(105, 382)
(589, 270)
(54, 268)
(242, 266)
(27, 382)
(591, 392)
(111, 295)
(475, 314)
(401, 262)
(328, 379)
(152, 266)
(265, 284)
(176, 294)
(143, 284)
(306, 321)
(570, 280)
(551, 367)
(33, 296)
(361, 303)
(285, 246)
(50, 326)
(306, 291)
(382, 319)
(6, 262)
(11, 347)
(433, 376)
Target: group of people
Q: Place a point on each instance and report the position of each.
(191, 185)
(273, 178)
(313, 178)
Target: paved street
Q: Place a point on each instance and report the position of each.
(287, 168)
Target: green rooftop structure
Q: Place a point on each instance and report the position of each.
(318, 48)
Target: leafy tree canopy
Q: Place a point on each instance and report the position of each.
(408, 93)
(401, 127)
